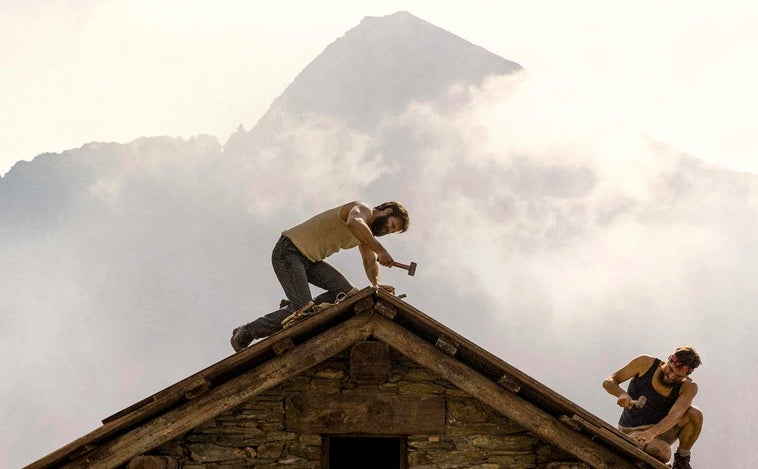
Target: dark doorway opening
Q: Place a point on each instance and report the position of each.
(359, 452)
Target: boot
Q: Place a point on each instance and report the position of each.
(241, 338)
(681, 462)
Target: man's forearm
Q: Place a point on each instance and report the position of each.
(370, 264)
(661, 427)
(363, 233)
(674, 415)
(613, 388)
(372, 272)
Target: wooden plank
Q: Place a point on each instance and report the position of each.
(620, 440)
(223, 397)
(281, 346)
(522, 412)
(528, 384)
(166, 397)
(348, 413)
(447, 345)
(202, 388)
(370, 362)
(385, 310)
(510, 383)
(174, 394)
(364, 305)
(571, 423)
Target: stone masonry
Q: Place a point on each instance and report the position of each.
(254, 435)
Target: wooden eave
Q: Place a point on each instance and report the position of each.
(370, 313)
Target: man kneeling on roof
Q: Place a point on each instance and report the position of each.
(667, 413)
(298, 259)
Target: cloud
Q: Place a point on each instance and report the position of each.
(301, 161)
(583, 242)
(553, 237)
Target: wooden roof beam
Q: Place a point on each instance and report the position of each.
(228, 395)
(507, 403)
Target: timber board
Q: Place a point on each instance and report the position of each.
(176, 394)
(494, 368)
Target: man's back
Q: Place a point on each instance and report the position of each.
(322, 235)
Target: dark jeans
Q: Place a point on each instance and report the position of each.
(295, 272)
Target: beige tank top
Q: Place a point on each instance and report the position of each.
(322, 235)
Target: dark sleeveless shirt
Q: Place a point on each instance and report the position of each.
(656, 407)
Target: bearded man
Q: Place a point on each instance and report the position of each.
(298, 259)
(667, 414)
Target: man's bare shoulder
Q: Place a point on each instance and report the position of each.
(690, 385)
(643, 359)
(355, 203)
(360, 207)
(641, 364)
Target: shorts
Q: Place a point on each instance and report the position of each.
(669, 436)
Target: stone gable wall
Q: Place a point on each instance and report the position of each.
(254, 435)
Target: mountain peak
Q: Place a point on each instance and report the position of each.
(384, 63)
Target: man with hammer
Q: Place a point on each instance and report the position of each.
(298, 259)
(666, 413)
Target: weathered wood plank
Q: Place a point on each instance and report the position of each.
(370, 362)
(492, 394)
(447, 345)
(281, 346)
(366, 304)
(370, 414)
(220, 399)
(510, 383)
(614, 440)
(167, 396)
(172, 395)
(202, 387)
(385, 310)
(529, 384)
(571, 423)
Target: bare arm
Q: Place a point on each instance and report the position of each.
(636, 367)
(372, 252)
(370, 265)
(356, 219)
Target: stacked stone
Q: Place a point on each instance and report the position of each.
(254, 435)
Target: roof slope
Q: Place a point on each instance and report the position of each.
(369, 313)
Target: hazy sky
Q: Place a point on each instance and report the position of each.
(581, 228)
(76, 71)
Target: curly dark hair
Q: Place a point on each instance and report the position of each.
(686, 355)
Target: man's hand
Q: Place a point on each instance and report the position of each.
(388, 288)
(643, 437)
(625, 400)
(384, 258)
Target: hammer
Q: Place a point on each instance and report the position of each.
(639, 403)
(410, 268)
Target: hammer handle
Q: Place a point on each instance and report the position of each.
(402, 266)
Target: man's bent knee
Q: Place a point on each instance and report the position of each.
(693, 416)
(659, 449)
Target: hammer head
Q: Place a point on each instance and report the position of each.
(412, 269)
(640, 402)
